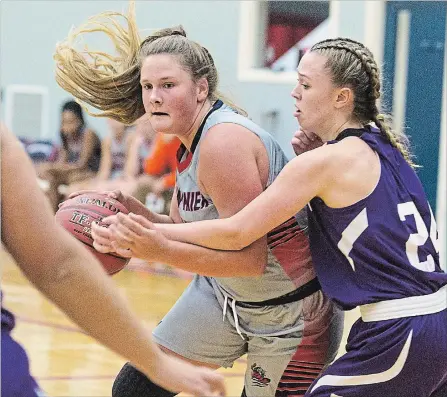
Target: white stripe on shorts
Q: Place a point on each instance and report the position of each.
(357, 380)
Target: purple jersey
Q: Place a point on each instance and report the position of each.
(8, 321)
(383, 247)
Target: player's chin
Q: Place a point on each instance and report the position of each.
(161, 124)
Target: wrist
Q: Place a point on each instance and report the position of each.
(153, 361)
(164, 254)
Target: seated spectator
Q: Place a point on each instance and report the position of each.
(150, 167)
(79, 155)
(139, 139)
(157, 183)
(114, 152)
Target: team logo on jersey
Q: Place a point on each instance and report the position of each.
(258, 376)
(191, 201)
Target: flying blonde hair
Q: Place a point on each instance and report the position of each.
(111, 83)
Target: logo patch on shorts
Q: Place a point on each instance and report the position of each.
(258, 376)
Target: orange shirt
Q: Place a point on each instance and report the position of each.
(162, 159)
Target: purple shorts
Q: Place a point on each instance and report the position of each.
(399, 357)
(16, 378)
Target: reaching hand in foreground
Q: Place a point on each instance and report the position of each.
(180, 376)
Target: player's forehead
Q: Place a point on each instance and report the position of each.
(312, 66)
(162, 67)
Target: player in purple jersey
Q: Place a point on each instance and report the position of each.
(58, 265)
(368, 214)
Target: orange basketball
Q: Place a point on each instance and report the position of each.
(76, 216)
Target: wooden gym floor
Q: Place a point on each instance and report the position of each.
(65, 361)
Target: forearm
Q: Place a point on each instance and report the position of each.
(154, 217)
(249, 262)
(90, 299)
(217, 233)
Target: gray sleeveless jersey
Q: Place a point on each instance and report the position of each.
(289, 262)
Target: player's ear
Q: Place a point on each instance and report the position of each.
(344, 96)
(202, 89)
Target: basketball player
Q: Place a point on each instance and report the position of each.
(368, 214)
(69, 276)
(265, 300)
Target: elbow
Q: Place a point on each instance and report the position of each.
(236, 239)
(256, 265)
(256, 271)
(260, 264)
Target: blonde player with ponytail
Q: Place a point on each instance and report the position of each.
(264, 301)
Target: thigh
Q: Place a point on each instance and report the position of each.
(195, 329)
(389, 358)
(441, 391)
(267, 359)
(16, 380)
(323, 330)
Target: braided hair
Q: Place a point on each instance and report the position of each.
(352, 64)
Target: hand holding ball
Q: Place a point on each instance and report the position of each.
(76, 216)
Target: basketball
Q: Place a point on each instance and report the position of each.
(76, 216)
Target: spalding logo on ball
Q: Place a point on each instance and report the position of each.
(76, 216)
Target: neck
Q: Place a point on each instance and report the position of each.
(189, 136)
(339, 126)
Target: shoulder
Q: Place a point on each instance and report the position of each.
(331, 160)
(351, 152)
(225, 138)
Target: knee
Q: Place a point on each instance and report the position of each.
(130, 382)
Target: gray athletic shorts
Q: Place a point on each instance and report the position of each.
(200, 329)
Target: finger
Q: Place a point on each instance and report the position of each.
(123, 236)
(304, 138)
(141, 220)
(109, 220)
(132, 224)
(100, 231)
(310, 135)
(126, 253)
(122, 250)
(116, 194)
(81, 192)
(105, 249)
(120, 240)
(126, 233)
(101, 240)
(299, 143)
(318, 139)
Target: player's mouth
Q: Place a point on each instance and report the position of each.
(159, 114)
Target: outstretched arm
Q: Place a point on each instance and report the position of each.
(302, 178)
(61, 268)
(229, 172)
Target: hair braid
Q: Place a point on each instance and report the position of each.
(352, 64)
